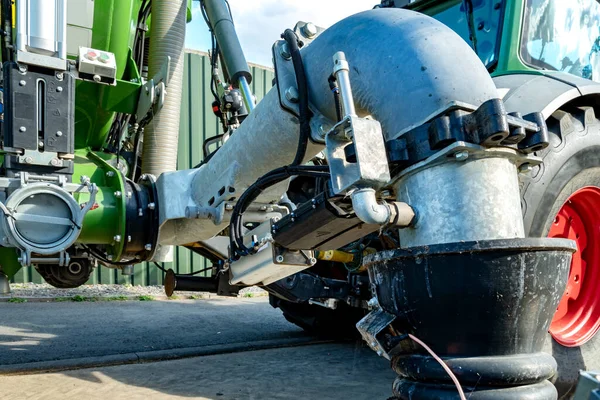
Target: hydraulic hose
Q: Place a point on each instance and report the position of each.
(167, 38)
(292, 41)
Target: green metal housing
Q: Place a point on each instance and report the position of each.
(100, 226)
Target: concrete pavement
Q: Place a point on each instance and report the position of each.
(329, 371)
(43, 332)
(50, 336)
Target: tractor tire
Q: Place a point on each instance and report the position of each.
(562, 199)
(74, 275)
(320, 321)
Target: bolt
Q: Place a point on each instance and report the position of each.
(117, 238)
(59, 89)
(109, 257)
(22, 68)
(129, 194)
(59, 76)
(461, 155)
(148, 247)
(228, 207)
(309, 30)
(525, 168)
(322, 131)
(110, 174)
(129, 239)
(374, 345)
(40, 144)
(284, 50)
(22, 129)
(22, 83)
(279, 259)
(373, 302)
(263, 208)
(291, 94)
(379, 353)
(28, 160)
(312, 261)
(97, 78)
(59, 133)
(151, 206)
(54, 162)
(118, 194)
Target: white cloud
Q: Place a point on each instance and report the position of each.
(259, 23)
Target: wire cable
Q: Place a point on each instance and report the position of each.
(461, 393)
(191, 274)
(100, 257)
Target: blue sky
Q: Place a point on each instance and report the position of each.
(260, 22)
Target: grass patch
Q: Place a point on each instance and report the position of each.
(248, 294)
(17, 300)
(78, 298)
(195, 297)
(61, 299)
(174, 297)
(145, 298)
(117, 298)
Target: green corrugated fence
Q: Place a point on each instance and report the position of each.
(197, 124)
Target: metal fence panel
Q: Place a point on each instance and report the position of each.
(197, 124)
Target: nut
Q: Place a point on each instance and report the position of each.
(117, 238)
(118, 194)
(291, 94)
(59, 133)
(22, 129)
(151, 206)
(309, 30)
(148, 247)
(110, 174)
(59, 76)
(461, 155)
(279, 259)
(284, 50)
(59, 89)
(22, 83)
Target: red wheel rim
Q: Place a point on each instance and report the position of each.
(577, 317)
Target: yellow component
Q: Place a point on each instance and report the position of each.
(336, 256)
(14, 14)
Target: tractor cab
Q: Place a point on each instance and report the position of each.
(526, 35)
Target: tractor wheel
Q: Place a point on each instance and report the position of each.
(335, 324)
(74, 275)
(562, 199)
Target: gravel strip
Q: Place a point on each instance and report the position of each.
(108, 292)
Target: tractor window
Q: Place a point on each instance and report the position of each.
(561, 35)
(486, 23)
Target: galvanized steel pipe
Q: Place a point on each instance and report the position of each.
(403, 68)
(167, 39)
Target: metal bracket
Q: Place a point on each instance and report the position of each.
(357, 155)
(284, 68)
(32, 157)
(152, 96)
(370, 328)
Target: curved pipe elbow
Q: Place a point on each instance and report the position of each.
(368, 210)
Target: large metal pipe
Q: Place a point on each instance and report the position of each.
(404, 68)
(167, 39)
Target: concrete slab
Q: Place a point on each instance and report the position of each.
(330, 371)
(43, 332)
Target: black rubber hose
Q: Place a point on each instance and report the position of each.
(292, 41)
(336, 97)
